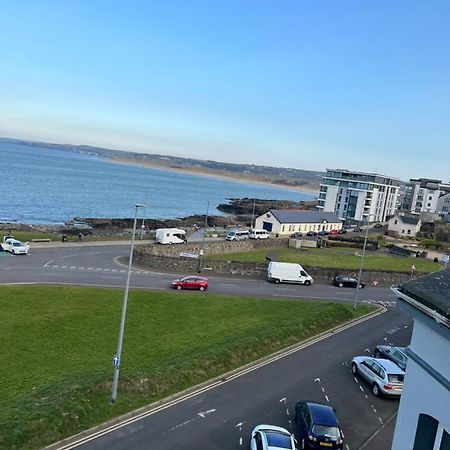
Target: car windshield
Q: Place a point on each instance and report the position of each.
(396, 378)
(326, 431)
(281, 440)
(17, 244)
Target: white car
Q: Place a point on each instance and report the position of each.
(15, 247)
(271, 437)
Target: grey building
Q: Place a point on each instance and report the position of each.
(423, 421)
(422, 195)
(358, 196)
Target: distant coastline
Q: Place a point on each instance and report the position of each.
(219, 174)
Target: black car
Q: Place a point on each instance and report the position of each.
(311, 233)
(345, 281)
(395, 354)
(342, 231)
(357, 230)
(324, 233)
(318, 426)
(296, 235)
(378, 225)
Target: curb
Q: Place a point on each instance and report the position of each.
(159, 405)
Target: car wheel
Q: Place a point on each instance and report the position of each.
(202, 288)
(179, 287)
(307, 283)
(276, 281)
(354, 369)
(377, 353)
(361, 286)
(376, 390)
(341, 284)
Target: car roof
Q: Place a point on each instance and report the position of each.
(322, 414)
(388, 365)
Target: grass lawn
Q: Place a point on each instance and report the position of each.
(58, 343)
(336, 258)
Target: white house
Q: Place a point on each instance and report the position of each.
(288, 221)
(405, 226)
(423, 421)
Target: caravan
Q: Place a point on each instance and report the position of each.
(170, 236)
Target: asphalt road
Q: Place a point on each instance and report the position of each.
(222, 417)
(105, 265)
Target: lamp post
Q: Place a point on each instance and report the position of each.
(200, 257)
(116, 359)
(355, 301)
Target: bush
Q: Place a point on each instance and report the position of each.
(431, 243)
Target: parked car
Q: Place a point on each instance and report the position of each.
(296, 235)
(318, 426)
(334, 232)
(324, 233)
(383, 375)
(311, 233)
(191, 282)
(395, 354)
(345, 281)
(378, 225)
(357, 230)
(342, 231)
(271, 437)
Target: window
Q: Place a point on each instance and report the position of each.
(396, 222)
(409, 231)
(425, 432)
(445, 443)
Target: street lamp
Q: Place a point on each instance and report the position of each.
(202, 249)
(116, 359)
(362, 263)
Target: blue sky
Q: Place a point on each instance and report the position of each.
(311, 85)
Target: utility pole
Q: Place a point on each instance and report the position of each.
(362, 263)
(253, 212)
(202, 249)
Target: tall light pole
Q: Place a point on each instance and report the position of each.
(253, 212)
(362, 263)
(202, 249)
(117, 356)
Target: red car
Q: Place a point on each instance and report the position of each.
(192, 282)
(334, 232)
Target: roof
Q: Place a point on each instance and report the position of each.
(389, 366)
(432, 291)
(322, 414)
(304, 216)
(409, 219)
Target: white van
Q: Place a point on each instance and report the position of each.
(281, 272)
(258, 234)
(237, 235)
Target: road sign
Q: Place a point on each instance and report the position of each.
(116, 361)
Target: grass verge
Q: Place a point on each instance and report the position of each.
(336, 258)
(58, 343)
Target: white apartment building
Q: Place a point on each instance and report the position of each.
(358, 195)
(421, 195)
(423, 421)
(443, 204)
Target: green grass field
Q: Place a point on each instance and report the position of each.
(335, 258)
(58, 343)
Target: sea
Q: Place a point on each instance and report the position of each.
(40, 185)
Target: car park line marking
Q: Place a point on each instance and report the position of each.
(81, 268)
(90, 435)
(377, 432)
(317, 379)
(72, 267)
(362, 389)
(327, 399)
(48, 263)
(347, 447)
(323, 390)
(282, 400)
(381, 420)
(367, 350)
(240, 441)
(393, 330)
(356, 379)
(374, 410)
(63, 267)
(239, 425)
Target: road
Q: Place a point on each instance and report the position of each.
(223, 416)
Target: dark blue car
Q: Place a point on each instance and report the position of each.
(318, 426)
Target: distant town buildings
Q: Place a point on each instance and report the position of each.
(422, 195)
(358, 196)
(287, 221)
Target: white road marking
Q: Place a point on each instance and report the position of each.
(367, 350)
(48, 263)
(328, 400)
(393, 330)
(287, 412)
(240, 441)
(282, 400)
(63, 267)
(381, 420)
(239, 425)
(356, 379)
(362, 389)
(203, 414)
(317, 379)
(347, 447)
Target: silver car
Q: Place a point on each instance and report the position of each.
(384, 376)
(271, 437)
(396, 354)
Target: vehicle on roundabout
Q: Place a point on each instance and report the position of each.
(318, 426)
(346, 281)
(190, 282)
(395, 354)
(14, 246)
(383, 375)
(271, 437)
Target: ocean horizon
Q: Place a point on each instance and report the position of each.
(46, 186)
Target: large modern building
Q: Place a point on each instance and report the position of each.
(423, 421)
(422, 195)
(358, 196)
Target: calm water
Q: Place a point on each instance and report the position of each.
(45, 186)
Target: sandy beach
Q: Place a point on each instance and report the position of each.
(307, 188)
